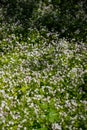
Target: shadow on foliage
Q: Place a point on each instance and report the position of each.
(66, 17)
(83, 87)
(18, 11)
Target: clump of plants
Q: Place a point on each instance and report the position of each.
(43, 78)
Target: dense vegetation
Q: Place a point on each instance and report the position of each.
(43, 65)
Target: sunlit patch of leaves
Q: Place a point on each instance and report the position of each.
(42, 85)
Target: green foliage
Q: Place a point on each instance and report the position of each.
(40, 81)
(43, 79)
(68, 18)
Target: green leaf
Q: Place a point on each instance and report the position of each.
(43, 128)
(52, 115)
(24, 88)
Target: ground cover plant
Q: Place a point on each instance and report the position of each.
(43, 78)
